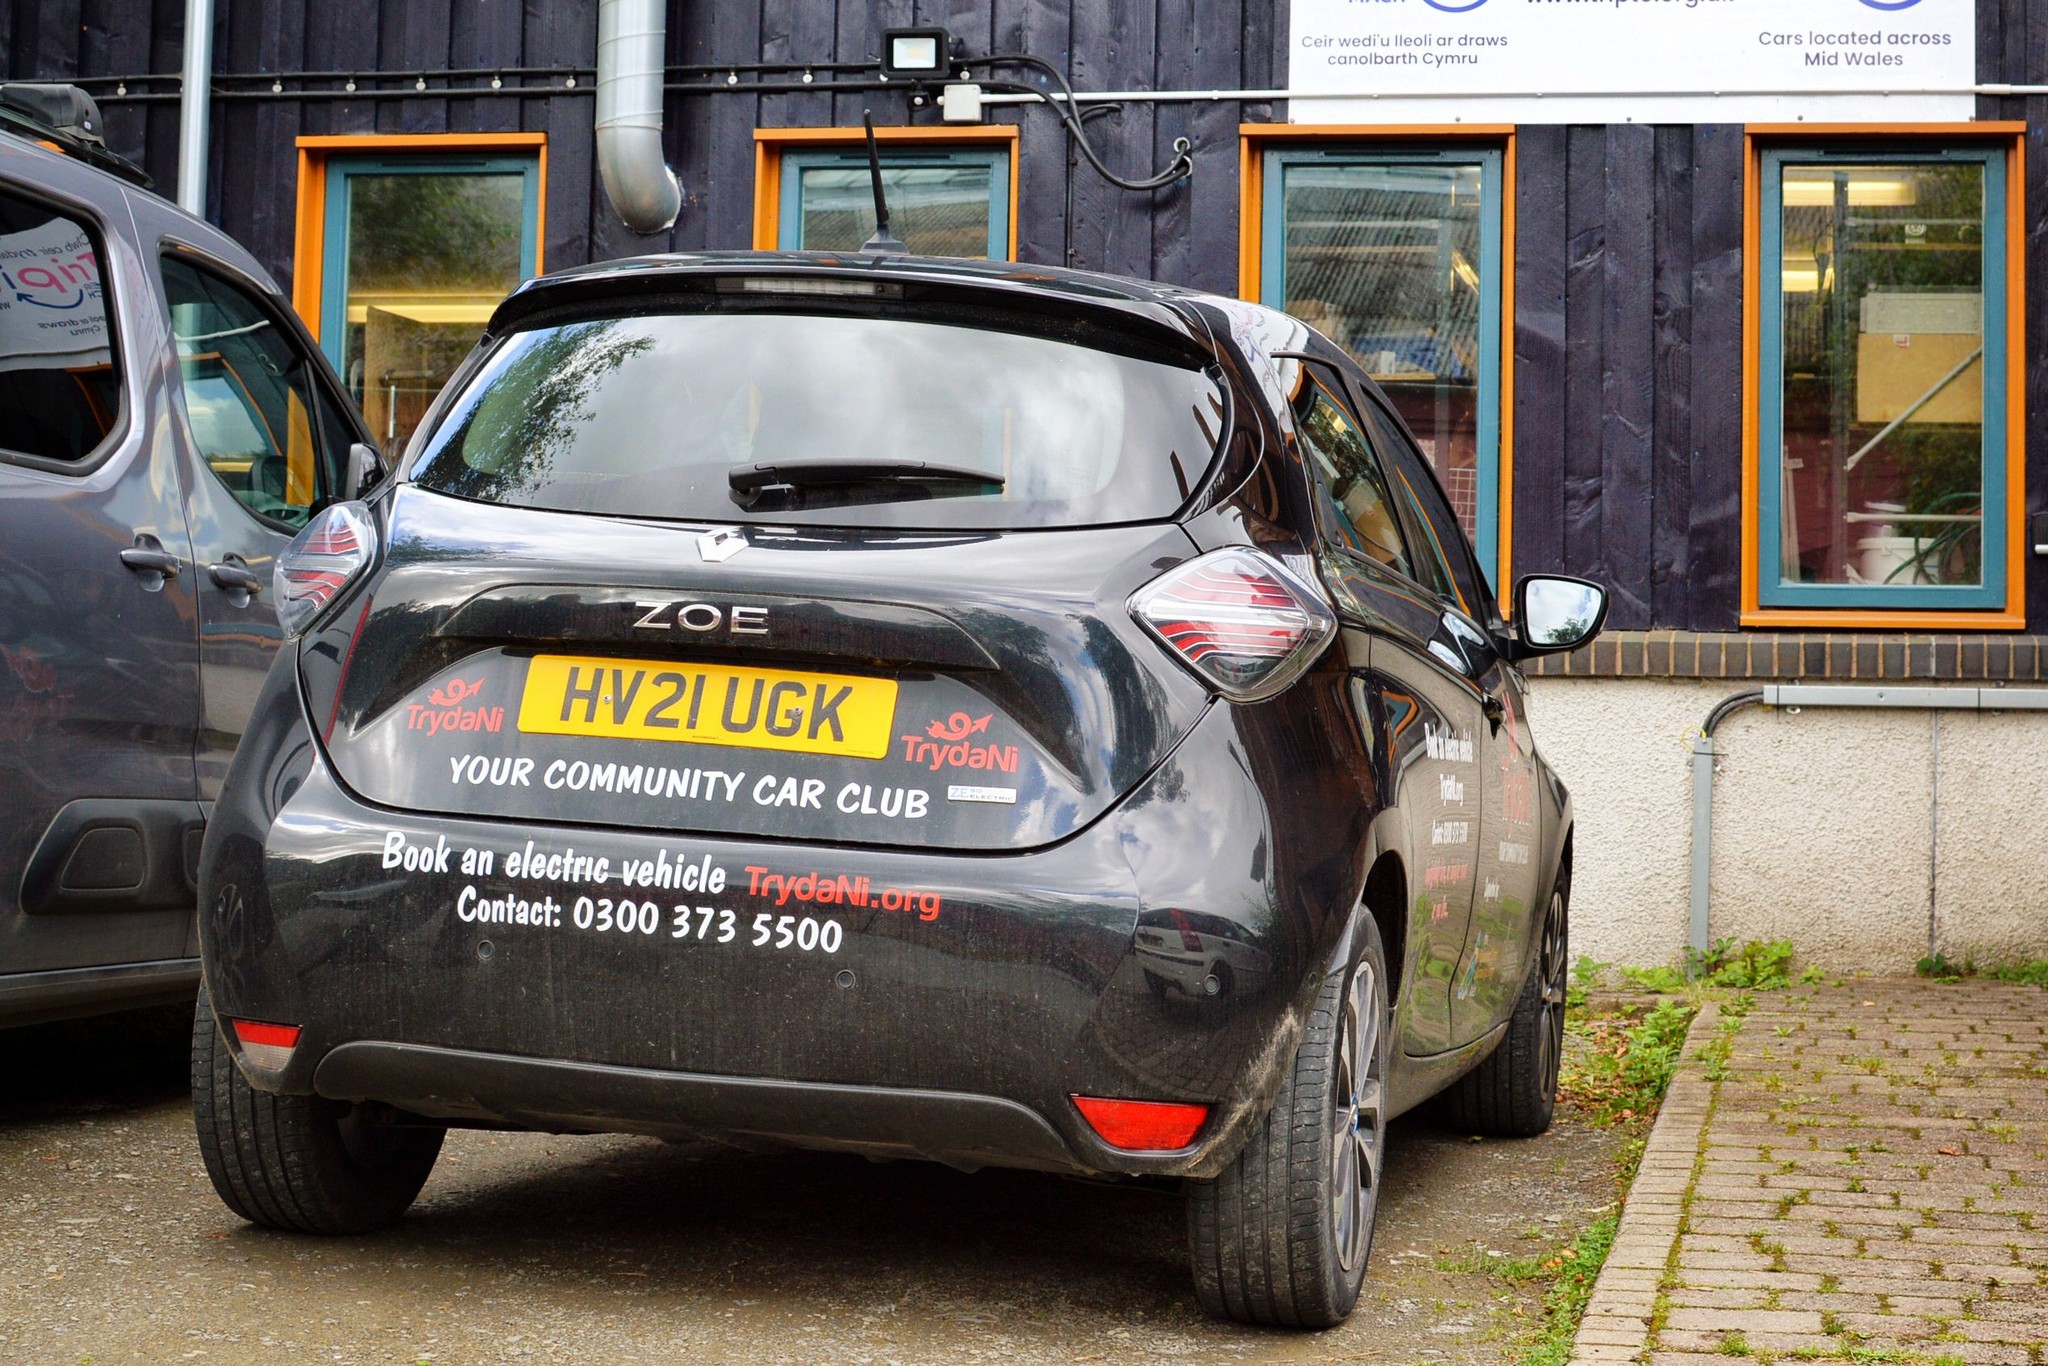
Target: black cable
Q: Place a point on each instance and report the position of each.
(1067, 220)
(1727, 707)
(1182, 165)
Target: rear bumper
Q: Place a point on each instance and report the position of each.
(959, 1129)
(892, 1002)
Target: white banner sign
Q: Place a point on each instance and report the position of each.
(1632, 61)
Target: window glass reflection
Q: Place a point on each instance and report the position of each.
(1385, 260)
(258, 416)
(428, 256)
(1356, 508)
(933, 210)
(59, 389)
(650, 416)
(1882, 283)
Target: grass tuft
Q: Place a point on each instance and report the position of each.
(1941, 968)
(1576, 1266)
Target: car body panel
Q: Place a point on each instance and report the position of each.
(98, 696)
(239, 634)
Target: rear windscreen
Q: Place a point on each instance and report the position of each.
(825, 421)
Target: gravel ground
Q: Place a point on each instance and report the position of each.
(538, 1248)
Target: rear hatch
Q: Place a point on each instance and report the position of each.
(802, 567)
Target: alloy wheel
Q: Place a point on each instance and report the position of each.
(1358, 1136)
(1552, 967)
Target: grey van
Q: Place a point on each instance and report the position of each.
(166, 427)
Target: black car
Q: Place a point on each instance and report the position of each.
(166, 428)
(777, 690)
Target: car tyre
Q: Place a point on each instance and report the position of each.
(303, 1164)
(1281, 1237)
(1513, 1094)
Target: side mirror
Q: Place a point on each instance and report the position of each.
(1554, 613)
(365, 467)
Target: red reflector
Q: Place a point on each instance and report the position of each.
(1142, 1125)
(267, 1046)
(272, 1035)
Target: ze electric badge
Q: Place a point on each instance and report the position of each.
(709, 704)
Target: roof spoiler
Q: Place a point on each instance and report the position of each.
(1144, 330)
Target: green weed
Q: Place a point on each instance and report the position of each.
(1616, 1072)
(1626, 1061)
(1585, 976)
(1756, 965)
(1662, 981)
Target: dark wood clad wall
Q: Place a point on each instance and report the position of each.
(1628, 365)
(1628, 345)
(1185, 233)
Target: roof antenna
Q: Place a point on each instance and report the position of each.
(881, 243)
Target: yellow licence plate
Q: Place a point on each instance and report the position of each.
(708, 704)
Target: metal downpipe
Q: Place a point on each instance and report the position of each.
(194, 105)
(631, 42)
(1703, 753)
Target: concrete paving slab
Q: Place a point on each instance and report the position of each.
(1866, 1178)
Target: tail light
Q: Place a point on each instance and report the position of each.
(1238, 618)
(268, 1046)
(1142, 1125)
(335, 547)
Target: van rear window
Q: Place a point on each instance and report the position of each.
(824, 420)
(60, 384)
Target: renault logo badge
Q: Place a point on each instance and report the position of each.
(721, 543)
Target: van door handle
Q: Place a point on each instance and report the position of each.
(235, 576)
(1495, 710)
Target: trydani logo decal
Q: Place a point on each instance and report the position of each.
(456, 692)
(958, 726)
(1449, 7)
(447, 712)
(1891, 4)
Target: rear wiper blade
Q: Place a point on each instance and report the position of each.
(749, 479)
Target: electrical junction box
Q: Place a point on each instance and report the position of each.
(960, 102)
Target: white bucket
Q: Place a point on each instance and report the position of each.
(1883, 555)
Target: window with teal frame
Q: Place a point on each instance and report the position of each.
(941, 202)
(418, 250)
(1395, 255)
(1881, 398)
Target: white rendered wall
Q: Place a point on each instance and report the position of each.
(1824, 828)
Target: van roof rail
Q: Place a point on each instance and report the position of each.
(66, 118)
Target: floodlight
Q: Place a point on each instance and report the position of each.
(915, 54)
